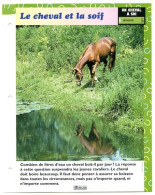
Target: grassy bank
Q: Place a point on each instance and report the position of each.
(45, 56)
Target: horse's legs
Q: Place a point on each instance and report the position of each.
(92, 71)
(105, 64)
(111, 61)
(112, 57)
(92, 74)
(95, 66)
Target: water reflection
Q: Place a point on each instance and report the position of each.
(94, 143)
(50, 135)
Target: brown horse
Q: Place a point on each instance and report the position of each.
(93, 55)
(94, 143)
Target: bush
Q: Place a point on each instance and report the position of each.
(55, 49)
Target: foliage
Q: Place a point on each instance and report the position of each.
(50, 135)
(26, 107)
(57, 47)
(46, 54)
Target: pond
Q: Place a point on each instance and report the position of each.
(49, 135)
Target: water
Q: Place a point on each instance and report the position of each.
(48, 135)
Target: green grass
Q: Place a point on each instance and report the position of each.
(45, 56)
(55, 89)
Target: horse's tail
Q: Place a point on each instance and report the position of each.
(113, 52)
(84, 51)
(114, 58)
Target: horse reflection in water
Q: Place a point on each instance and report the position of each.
(94, 143)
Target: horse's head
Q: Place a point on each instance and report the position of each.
(78, 76)
(79, 129)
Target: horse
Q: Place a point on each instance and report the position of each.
(94, 143)
(93, 55)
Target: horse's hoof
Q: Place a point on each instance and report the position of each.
(96, 79)
(91, 89)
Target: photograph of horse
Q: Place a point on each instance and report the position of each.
(93, 55)
(58, 98)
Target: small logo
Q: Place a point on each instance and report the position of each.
(80, 187)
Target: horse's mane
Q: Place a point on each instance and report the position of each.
(91, 44)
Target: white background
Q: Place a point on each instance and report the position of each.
(8, 78)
